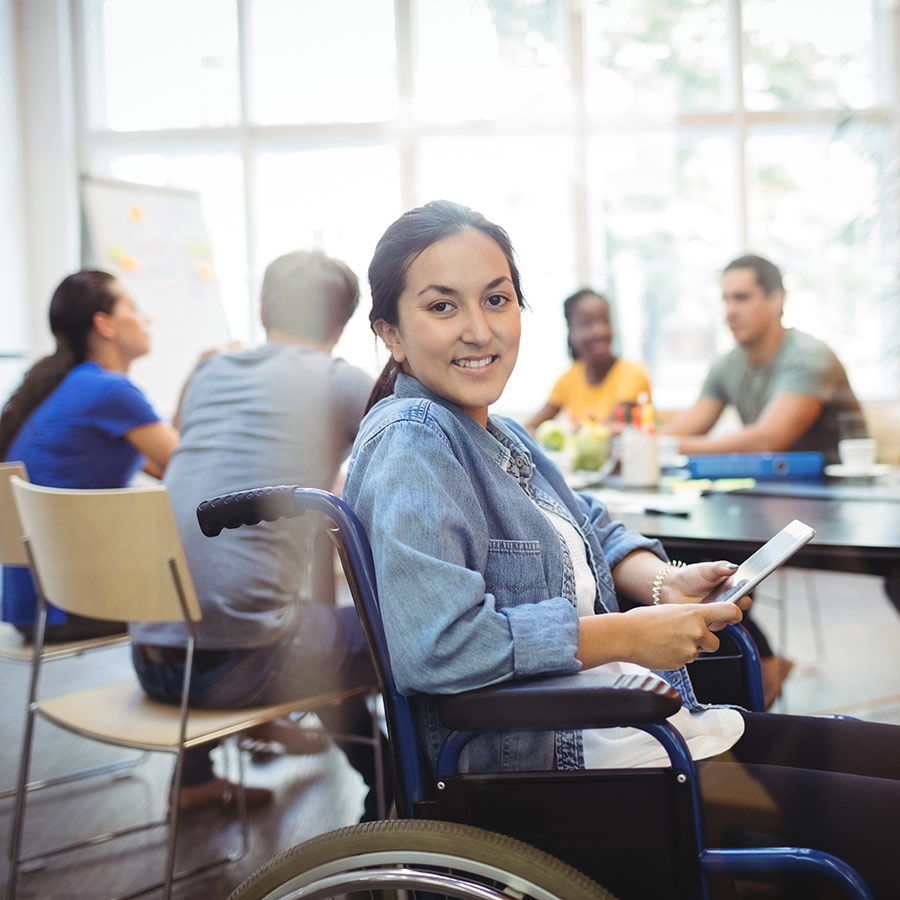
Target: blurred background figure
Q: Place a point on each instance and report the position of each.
(788, 387)
(598, 381)
(78, 421)
(283, 413)
(790, 390)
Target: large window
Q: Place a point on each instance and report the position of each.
(634, 145)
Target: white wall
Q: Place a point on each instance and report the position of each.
(47, 217)
(13, 328)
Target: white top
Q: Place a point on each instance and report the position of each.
(708, 732)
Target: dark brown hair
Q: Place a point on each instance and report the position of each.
(72, 308)
(404, 240)
(768, 275)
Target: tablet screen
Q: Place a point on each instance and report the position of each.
(762, 563)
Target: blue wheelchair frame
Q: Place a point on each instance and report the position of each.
(589, 700)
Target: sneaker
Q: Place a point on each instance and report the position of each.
(282, 737)
(217, 793)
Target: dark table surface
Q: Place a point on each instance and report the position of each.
(852, 535)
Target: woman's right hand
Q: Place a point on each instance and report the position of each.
(660, 637)
(667, 637)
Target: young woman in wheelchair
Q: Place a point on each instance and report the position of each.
(490, 568)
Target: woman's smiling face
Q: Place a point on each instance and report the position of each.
(458, 321)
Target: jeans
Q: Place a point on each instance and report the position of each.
(326, 651)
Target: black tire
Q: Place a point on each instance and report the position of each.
(437, 857)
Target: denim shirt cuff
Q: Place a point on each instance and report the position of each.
(545, 638)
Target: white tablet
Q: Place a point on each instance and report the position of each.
(766, 560)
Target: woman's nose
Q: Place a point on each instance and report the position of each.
(476, 329)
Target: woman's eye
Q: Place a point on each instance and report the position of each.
(497, 300)
(441, 306)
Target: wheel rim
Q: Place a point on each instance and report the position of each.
(457, 877)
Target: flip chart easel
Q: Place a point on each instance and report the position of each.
(155, 240)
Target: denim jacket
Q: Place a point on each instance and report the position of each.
(475, 583)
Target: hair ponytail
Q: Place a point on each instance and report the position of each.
(75, 301)
(39, 382)
(384, 386)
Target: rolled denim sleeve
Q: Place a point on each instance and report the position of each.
(445, 631)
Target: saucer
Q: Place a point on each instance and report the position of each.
(841, 471)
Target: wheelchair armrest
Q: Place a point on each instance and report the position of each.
(586, 700)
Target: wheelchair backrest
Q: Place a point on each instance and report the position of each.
(355, 554)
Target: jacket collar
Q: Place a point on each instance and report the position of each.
(497, 441)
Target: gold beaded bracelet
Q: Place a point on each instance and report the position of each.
(661, 577)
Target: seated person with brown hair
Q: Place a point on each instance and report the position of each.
(78, 421)
(789, 389)
(283, 413)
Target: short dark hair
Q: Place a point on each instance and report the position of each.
(768, 275)
(414, 232)
(572, 301)
(308, 294)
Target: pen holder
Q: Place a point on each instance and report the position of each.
(640, 458)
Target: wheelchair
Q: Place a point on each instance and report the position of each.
(533, 835)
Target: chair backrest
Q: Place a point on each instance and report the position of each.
(107, 554)
(12, 550)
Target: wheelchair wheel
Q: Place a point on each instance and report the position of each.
(442, 859)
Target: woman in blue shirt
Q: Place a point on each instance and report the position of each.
(77, 421)
(489, 568)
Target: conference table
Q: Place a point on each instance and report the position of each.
(857, 527)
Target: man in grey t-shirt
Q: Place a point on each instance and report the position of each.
(284, 413)
(789, 388)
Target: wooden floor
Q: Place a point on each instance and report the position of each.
(857, 673)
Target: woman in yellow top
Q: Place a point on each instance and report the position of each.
(597, 382)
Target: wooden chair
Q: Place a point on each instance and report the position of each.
(12, 645)
(12, 553)
(117, 555)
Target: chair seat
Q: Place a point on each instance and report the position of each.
(120, 713)
(12, 646)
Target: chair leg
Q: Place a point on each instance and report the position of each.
(174, 804)
(18, 823)
(812, 600)
(242, 803)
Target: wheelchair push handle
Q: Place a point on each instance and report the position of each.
(264, 504)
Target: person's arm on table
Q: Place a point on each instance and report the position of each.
(696, 420)
(781, 424)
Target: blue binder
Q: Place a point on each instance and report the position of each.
(806, 466)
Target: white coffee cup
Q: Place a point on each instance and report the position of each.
(857, 453)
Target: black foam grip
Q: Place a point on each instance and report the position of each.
(264, 504)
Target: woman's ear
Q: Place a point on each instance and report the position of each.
(391, 337)
(103, 326)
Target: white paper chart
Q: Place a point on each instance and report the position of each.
(156, 241)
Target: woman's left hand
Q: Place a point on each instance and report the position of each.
(690, 584)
